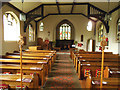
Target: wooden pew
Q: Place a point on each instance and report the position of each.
(93, 66)
(30, 58)
(44, 55)
(94, 57)
(42, 51)
(112, 72)
(28, 69)
(86, 52)
(27, 62)
(13, 80)
(93, 82)
(32, 54)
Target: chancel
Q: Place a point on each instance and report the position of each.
(68, 44)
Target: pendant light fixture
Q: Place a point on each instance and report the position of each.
(22, 15)
(108, 15)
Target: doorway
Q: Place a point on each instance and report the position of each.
(90, 45)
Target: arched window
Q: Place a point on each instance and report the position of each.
(41, 26)
(100, 32)
(118, 30)
(65, 32)
(11, 27)
(89, 26)
(31, 33)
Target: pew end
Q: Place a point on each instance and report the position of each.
(88, 82)
(106, 72)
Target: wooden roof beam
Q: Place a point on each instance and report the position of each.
(73, 6)
(57, 3)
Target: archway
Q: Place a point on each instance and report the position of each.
(90, 45)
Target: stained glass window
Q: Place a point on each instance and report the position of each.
(65, 32)
(100, 32)
(11, 27)
(31, 33)
(118, 30)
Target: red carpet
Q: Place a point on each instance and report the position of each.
(63, 74)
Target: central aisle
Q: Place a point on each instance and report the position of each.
(63, 73)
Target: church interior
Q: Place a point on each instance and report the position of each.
(59, 44)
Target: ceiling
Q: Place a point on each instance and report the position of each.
(31, 4)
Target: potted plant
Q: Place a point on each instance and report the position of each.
(75, 42)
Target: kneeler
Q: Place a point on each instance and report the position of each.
(86, 72)
(7, 73)
(98, 73)
(19, 88)
(4, 87)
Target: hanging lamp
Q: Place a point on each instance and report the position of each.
(22, 15)
(108, 15)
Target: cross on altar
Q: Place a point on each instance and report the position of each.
(21, 42)
(103, 44)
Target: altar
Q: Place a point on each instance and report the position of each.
(64, 44)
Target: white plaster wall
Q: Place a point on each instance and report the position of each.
(112, 34)
(113, 44)
(0, 28)
(79, 22)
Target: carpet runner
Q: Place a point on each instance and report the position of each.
(63, 74)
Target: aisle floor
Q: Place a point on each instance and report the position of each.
(63, 75)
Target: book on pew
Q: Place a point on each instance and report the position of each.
(98, 82)
(25, 80)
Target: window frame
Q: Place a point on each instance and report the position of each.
(10, 31)
(100, 32)
(118, 30)
(33, 32)
(64, 26)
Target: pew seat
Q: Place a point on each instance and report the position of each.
(93, 82)
(27, 69)
(13, 80)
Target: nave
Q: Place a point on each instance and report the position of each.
(85, 37)
(46, 69)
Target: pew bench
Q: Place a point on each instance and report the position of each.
(27, 69)
(13, 80)
(30, 58)
(42, 51)
(90, 57)
(112, 72)
(93, 66)
(93, 82)
(28, 62)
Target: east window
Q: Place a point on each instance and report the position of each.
(65, 32)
